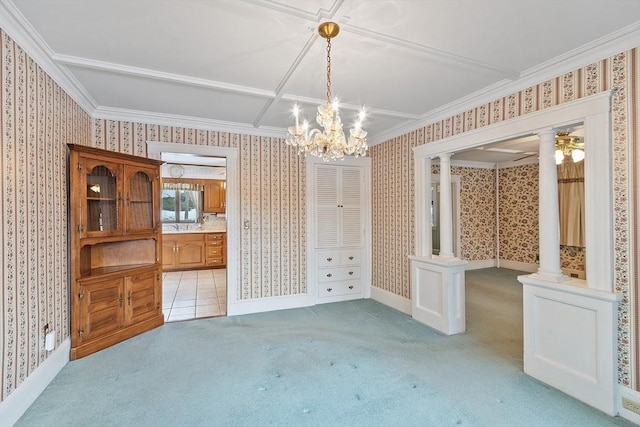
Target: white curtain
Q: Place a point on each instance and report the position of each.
(571, 203)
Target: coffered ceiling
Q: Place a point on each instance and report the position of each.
(240, 65)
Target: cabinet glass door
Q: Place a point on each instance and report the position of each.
(101, 207)
(141, 216)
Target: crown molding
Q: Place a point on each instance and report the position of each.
(22, 32)
(619, 41)
(125, 115)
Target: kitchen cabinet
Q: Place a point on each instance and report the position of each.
(115, 272)
(183, 251)
(215, 196)
(216, 247)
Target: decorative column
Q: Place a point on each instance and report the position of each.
(446, 211)
(549, 216)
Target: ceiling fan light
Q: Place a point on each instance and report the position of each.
(577, 155)
(559, 157)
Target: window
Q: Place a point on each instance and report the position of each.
(181, 202)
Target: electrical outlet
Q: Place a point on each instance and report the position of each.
(631, 405)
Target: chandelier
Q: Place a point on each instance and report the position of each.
(329, 143)
(568, 145)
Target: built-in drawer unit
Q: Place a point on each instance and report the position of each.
(216, 249)
(339, 275)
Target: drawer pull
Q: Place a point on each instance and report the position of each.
(351, 273)
(329, 274)
(351, 258)
(329, 259)
(329, 289)
(350, 286)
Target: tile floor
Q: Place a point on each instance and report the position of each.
(194, 294)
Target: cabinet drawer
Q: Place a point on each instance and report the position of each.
(213, 239)
(339, 258)
(214, 251)
(338, 273)
(215, 261)
(332, 289)
(350, 257)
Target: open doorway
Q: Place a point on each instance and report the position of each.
(198, 213)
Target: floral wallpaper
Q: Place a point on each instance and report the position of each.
(477, 213)
(518, 213)
(393, 179)
(272, 196)
(37, 120)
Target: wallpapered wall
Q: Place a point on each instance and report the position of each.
(272, 197)
(37, 119)
(393, 221)
(518, 213)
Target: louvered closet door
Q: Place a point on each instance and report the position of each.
(338, 206)
(327, 217)
(351, 207)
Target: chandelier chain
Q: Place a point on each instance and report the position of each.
(328, 70)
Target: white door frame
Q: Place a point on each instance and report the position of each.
(155, 150)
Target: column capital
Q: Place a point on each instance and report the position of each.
(546, 133)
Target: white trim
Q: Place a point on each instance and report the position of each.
(155, 150)
(625, 392)
(527, 267)
(480, 264)
(619, 41)
(259, 305)
(109, 113)
(17, 403)
(522, 162)
(392, 300)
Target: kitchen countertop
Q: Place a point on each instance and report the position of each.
(194, 230)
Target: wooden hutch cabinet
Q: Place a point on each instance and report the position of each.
(115, 247)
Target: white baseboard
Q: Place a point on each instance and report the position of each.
(391, 300)
(518, 266)
(634, 396)
(260, 305)
(17, 403)
(480, 264)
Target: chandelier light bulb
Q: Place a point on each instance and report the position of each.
(559, 157)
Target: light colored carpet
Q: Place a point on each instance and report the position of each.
(355, 363)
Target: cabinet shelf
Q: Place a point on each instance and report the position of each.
(115, 269)
(101, 199)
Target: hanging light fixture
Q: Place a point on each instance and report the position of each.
(329, 143)
(568, 145)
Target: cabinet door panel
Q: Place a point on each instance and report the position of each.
(142, 297)
(168, 253)
(101, 307)
(101, 197)
(141, 186)
(190, 254)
